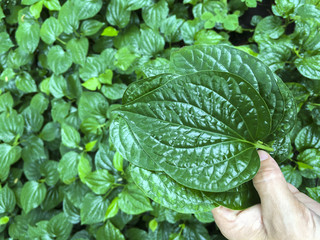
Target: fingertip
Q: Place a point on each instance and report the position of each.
(263, 155)
(224, 213)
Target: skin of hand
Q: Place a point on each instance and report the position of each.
(284, 212)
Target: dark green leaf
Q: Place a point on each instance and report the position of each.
(110, 232)
(68, 167)
(133, 201)
(308, 137)
(6, 42)
(292, 175)
(90, 27)
(117, 13)
(69, 17)
(11, 126)
(309, 66)
(78, 49)
(87, 8)
(93, 209)
(7, 200)
(59, 227)
(154, 15)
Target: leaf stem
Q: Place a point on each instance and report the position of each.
(262, 146)
(60, 40)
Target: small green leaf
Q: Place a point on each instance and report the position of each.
(115, 91)
(314, 193)
(309, 66)
(84, 168)
(90, 27)
(117, 13)
(153, 224)
(59, 227)
(90, 145)
(50, 30)
(7, 200)
(59, 61)
(28, 36)
(110, 32)
(11, 126)
(292, 175)
(106, 77)
(6, 102)
(68, 167)
(7, 75)
(151, 42)
(133, 201)
(124, 58)
(36, 9)
(99, 181)
(32, 195)
(118, 161)
(92, 84)
(112, 209)
(4, 220)
(93, 209)
(110, 232)
(155, 14)
(6, 42)
(87, 8)
(53, 5)
(69, 17)
(70, 136)
(78, 49)
(26, 83)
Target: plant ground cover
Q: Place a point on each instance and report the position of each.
(65, 66)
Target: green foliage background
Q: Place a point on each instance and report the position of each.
(64, 66)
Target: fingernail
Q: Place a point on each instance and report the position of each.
(263, 155)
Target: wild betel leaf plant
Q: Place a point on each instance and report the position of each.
(188, 90)
(191, 133)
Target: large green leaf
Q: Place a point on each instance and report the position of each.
(164, 190)
(168, 122)
(228, 59)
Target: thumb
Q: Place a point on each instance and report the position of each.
(277, 201)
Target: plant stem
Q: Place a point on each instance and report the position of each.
(261, 145)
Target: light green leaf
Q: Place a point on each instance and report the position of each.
(28, 36)
(90, 145)
(99, 181)
(117, 13)
(90, 27)
(36, 9)
(110, 32)
(106, 77)
(93, 209)
(50, 30)
(92, 84)
(154, 14)
(78, 49)
(118, 161)
(133, 201)
(110, 232)
(153, 224)
(59, 61)
(70, 136)
(53, 5)
(112, 209)
(4, 220)
(84, 167)
(28, 2)
(1, 13)
(32, 195)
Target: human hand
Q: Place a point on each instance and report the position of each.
(284, 212)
